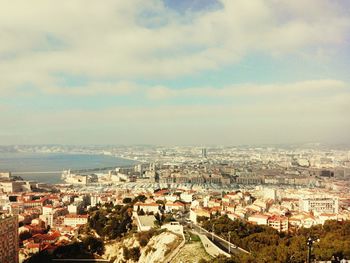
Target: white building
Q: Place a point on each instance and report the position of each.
(75, 220)
(75, 208)
(171, 198)
(270, 193)
(94, 200)
(11, 186)
(186, 197)
(172, 207)
(195, 213)
(258, 219)
(319, 205)
(119, 177)
(47, 218)
(47, 209)
(5, 175)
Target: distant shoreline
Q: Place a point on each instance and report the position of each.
(20, 163)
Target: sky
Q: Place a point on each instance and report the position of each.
(174, 72)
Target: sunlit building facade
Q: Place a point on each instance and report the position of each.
(8, 239)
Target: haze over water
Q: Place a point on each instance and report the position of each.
(48, 162)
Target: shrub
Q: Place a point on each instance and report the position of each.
(143, 242)
(144, 237)
(132, 253)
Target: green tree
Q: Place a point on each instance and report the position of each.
(131, 253)
(140, 198)
(25, 235)
(94, 245)
(127, 200)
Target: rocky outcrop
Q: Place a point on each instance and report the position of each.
(158, 248)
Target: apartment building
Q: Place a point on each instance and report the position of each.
(319, 205)
(8, 239)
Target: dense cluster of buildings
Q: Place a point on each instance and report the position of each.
(225, 166)
(46, 220)
(34, 221)
(266, 206)
(282, 189)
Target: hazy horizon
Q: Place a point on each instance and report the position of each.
(185, 72)
(305, 145)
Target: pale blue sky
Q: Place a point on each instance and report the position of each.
(174, 72)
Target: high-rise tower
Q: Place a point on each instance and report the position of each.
(8, 239)
(204, 152)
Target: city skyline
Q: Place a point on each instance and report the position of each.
(174, 72)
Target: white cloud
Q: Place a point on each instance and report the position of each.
(114, 44)
(110, 39)
(252, 90)
(91, 89)
(274, 121)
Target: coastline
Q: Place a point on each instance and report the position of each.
(33, 165)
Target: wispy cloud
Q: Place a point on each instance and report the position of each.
(315, 87)
(112, 40)
(143, 52)
(274, 122)
(94, 88)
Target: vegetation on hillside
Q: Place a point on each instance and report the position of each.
(145, 236)
(88, 249)
(132, 253)
(110, 221)
(105, 222)
(268, 245)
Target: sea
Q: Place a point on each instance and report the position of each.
(33, 166)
